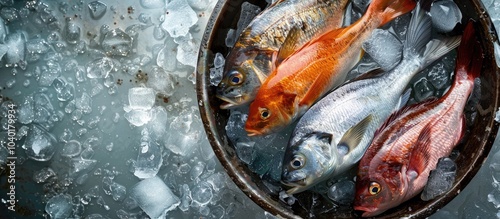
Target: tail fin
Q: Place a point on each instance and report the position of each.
(390, 9)
(419, 32)
(470, 54)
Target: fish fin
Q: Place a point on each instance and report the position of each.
(354, 135)
(470, 53)
(390, 9)
(397, 114)
(347, 15)
(435, 49)
(290, 44)
(328, 36)
(260, 75)
(371, 74)
(419, 33)
(314, 92)
(275, 3)
(420, 154)
(404, 98)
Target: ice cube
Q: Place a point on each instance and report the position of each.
(248, 12)
(118, 191)
(3, 31)
(445, 15)
(158, 123)
(202, 193)
(154, 197)
(81, 165)
(116, 43)
(141, 98)
(99, 68)
(440, 180)
(72, 32)
(286, 198)
(186, 199)
(97, 9)
(385, 48)
(9, 14)
(183, 139)
(39, 144)
(246, 151)
(152, 4)
(167, 56)
(161, 81)
(197, 170)
(438, 76)
(187, 49)
(199, 5)
(84, 103)
(150, 159)
(49, 73)
(422, 89)
(179, 18)
(16, 46)
(37, 46)
(72, 148)
(158, 32)
(217, 70)
(63, 89)
(25, 112)
(59, 206)
(44, 174)
(342, 192)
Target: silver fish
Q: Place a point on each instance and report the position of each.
(334, 134)
(250, 61)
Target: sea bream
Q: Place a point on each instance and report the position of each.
(333, 134)
(250, 61)
(407, 147)
(313, 70)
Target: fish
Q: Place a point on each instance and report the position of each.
(332, 136)
(316, 68)
(250, 61)
(408, 145)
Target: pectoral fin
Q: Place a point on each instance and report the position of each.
(289, 45)
(354, 135)
(420, 154)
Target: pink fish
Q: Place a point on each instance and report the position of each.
(407, 147)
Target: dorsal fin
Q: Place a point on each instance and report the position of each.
(290, 45)
(395, 115)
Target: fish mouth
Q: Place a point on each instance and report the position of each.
(367, 211)
(297, 186)
(252, 133)
(228, 103)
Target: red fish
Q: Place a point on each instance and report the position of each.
(407, 147)
(308, 73)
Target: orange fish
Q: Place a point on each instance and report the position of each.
(396, 166)
(308, 73)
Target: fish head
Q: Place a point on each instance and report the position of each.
(308, 162)
(243, 75)
(376, 194)
(270, 113)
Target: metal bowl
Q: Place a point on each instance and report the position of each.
(473, 150)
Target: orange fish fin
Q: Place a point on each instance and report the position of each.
(390, 9)
(328, 36)
(420, 154)
(314, 93)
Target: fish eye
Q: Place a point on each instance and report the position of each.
(297, 162)
(264, 113)
(374, 188)
(235, 78)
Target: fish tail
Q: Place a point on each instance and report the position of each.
(470, 54)
(419, 32)
(390, 9)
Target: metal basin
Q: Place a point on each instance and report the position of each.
(473, 150)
